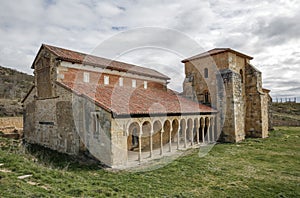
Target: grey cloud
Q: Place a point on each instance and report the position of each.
(292, 92)
(279, 30)
(292, 61)
(281, 82)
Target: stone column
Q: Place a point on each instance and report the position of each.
(151, 142)
(170, 139)
(197, 131)
(140, 144)
(184, 129)
(203, 137)
(212, 130)
(208, 131)
(178, 137)
(161, 141)
(192, 133)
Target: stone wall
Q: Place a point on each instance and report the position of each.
(45, 74)
(242, 104)
(97, 132)
(257, 104)
(49, 122)
(65, 124)
(10, 124)
(239, 107)
(233, 129)
(195, 85)
(265, 116)
(228, 97)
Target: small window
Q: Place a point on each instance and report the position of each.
(242, 75)
(106, 80)
(95, 125)
(205, 73)
(134, 83)
(86, 77)
(145, 84)
(121, 82)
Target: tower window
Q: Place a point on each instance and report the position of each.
(121, 82)
(106, 80)
(242, 75)
(86, 77)
(205, 73)
(134, 83)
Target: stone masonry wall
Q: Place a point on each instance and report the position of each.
(9, 124)
(49, 122)
(45, 74)
(97, 132)
(255, 123)
(265, 115)
(234, 124)
(239, 107)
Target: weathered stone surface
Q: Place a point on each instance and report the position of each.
(240, 99)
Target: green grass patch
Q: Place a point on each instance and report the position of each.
(253, 168)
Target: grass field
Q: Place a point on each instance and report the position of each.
(254, 168)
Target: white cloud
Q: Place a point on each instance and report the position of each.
(268, 30)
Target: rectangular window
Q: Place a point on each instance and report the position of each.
(46, 123)
(145, 85)
(121, 82)
(106, 80)
(134, 83)
(86, 77)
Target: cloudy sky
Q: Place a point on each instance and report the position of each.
(159, 33)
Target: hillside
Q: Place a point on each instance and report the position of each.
(286, 114)
(14, 86)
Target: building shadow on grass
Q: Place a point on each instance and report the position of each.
(54, 159)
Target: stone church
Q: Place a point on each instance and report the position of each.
(122, 113)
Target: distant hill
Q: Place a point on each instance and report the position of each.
(286, 114)
(14, 87)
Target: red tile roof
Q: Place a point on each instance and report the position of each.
(122, 101)
(82, 58)
(214, 52)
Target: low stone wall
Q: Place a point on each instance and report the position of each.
(11, 124)
(285, 121)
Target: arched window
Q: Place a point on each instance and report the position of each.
(205, 73)
(242, 75)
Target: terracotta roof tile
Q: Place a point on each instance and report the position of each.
(82, 58)
(130, 101)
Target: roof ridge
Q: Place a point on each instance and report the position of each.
(215, 51)
(80, 57)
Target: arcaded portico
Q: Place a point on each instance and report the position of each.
(165, 134)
